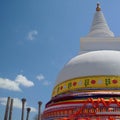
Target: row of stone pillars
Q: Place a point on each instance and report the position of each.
(9, 108)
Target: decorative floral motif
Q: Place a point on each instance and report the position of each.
(93, 81)
(61, 87)
(64, 86)
(74, 83)
(114, 81)
(100, 81)
(80, 83)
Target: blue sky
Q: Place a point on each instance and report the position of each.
(37, 37)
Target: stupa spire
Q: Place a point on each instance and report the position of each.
(99, 26)
(98, 7)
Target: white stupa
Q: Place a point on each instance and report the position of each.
(88, 86)
(99, 53)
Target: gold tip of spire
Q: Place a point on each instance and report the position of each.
(98, 7)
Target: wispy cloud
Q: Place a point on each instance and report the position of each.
(32, 35)
(46, 83)
(16, 103)
(42, 79)
(20, 79)
(14, 85)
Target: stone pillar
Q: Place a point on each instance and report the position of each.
(28, 112)
(7, 109)
(11, 108)
(23, 107)
(39, 110)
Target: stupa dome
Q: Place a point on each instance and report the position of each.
(103, 62)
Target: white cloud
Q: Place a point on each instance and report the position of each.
(3, 101)
(14, 85)
(32, 35)
(40, 77)
(46, 83)
(9, 84)
(20, 79)
(16, 103)
(32, 109)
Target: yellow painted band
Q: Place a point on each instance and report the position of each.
(89, 83)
